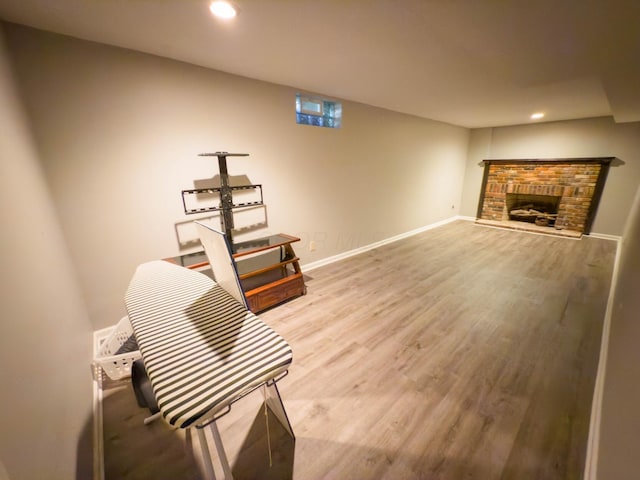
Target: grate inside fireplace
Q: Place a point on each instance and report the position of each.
(539, 209)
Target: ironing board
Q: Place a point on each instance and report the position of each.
(202, 348)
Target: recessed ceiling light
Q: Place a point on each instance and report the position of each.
(537, 115)
(223, 9)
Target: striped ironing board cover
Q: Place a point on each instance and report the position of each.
(202, 349)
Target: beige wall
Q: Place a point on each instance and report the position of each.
(478, 150)
(119, 133)
(45, 334)
(595, 137)
(620, 421)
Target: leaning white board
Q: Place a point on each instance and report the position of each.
(221, 260)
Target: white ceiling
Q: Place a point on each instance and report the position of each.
(474, 63)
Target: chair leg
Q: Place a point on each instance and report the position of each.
(274, 402)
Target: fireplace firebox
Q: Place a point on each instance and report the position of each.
(539, 209)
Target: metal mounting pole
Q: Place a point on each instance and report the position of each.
(226, 198)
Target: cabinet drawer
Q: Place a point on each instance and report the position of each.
(277, 292)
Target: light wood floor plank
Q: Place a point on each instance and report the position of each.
(461, 352)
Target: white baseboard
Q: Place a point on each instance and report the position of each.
(357, 251)
(593, 442)
(605, 236)
(98, 437)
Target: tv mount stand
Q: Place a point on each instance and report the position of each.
(225, 205)
(266, 285)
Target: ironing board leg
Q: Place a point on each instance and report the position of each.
(206, 455)
(274, 402)
(150, 419)
(221, 454)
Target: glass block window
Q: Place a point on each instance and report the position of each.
(318, 112)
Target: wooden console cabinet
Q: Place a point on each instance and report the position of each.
(269, 284)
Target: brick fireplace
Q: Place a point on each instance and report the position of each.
(550, 195)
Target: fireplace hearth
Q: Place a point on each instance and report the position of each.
(550, 195)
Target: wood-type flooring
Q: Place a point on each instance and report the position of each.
(462, 352)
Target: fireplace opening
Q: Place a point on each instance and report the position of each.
(539, 209)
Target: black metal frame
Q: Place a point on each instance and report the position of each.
(196, 191)
(227, 409)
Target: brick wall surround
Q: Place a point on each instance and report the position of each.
(578, 182)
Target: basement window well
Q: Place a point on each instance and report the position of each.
(317, 111)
